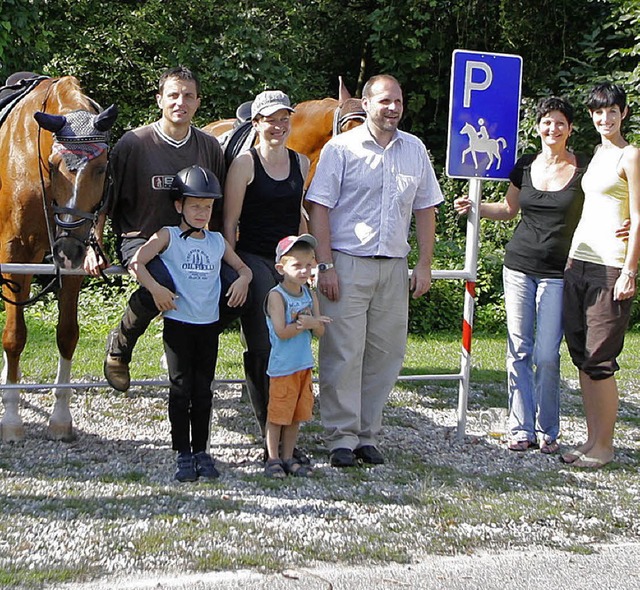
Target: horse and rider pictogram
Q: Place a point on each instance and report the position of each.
(480, 141)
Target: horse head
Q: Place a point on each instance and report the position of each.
(468, 129)
(77, 172)
(350, 112)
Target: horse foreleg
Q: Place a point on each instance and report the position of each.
(14, 337)
(60, 422)
(67, 333)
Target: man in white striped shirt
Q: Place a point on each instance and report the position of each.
(368, 183)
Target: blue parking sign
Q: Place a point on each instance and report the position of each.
(484, 108)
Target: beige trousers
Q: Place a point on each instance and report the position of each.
(362, 350)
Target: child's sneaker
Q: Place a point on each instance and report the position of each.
(186, 470)
(205, 466)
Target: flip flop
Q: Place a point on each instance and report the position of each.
(571, 456)
(585, 462)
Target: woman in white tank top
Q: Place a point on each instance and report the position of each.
(600, 278)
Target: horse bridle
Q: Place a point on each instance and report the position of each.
(81, 217)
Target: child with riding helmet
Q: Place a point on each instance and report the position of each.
(193, 256)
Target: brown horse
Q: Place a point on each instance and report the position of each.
(53, 163)
(313, 124)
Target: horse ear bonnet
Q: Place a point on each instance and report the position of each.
(195, 181)
(51, 123)
(79, 126)
(105, 120)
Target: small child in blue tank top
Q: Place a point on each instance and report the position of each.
(192, 255)
(292, 314)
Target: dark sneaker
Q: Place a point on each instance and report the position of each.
(342, 458)
(186, 467)
(205, 466)
(369, 454)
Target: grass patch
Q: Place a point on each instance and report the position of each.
(17, 577)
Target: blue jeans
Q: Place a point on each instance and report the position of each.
(534, 324)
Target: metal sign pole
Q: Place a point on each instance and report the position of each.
(471, 269)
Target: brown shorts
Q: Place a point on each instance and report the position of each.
(290, 398)
(594, 324)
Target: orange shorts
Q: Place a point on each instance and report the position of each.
(290, 398)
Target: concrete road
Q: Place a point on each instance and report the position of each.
(608, 568)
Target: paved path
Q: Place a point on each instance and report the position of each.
(608, 568)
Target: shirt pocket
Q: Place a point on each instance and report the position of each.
(406, 188)
(407, 184)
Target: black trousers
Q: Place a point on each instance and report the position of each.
(192, 352)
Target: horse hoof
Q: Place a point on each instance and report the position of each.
(12, 434)
(61, 432)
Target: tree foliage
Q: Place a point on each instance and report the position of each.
(117, 48)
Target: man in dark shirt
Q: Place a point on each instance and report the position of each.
(143, 164)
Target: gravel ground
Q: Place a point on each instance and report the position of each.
(106, 504)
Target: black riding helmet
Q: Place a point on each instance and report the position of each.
(195, 181)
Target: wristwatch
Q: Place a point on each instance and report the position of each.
(324, 266)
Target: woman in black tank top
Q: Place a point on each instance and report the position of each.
(262, 205)
(545, 190)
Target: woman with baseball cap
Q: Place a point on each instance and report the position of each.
(263, 204)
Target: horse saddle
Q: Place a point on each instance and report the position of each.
(241, 137)
(16, 87)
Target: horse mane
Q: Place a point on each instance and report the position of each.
(66, 95)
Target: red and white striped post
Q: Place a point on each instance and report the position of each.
(471, 272)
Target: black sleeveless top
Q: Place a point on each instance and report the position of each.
(271, 208)
(541, 241)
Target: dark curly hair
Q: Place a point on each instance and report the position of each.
(554, 103)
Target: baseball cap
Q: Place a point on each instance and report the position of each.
(268, 102)
(285, 244)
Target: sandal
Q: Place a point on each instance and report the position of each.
(520, 445)
(274, 468)
(294, 467)
(571, 456)
(585, 462)
(549, 448)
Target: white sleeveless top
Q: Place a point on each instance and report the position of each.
(194, 265)
(606, 206)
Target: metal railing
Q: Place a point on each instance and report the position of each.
(468, 274)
